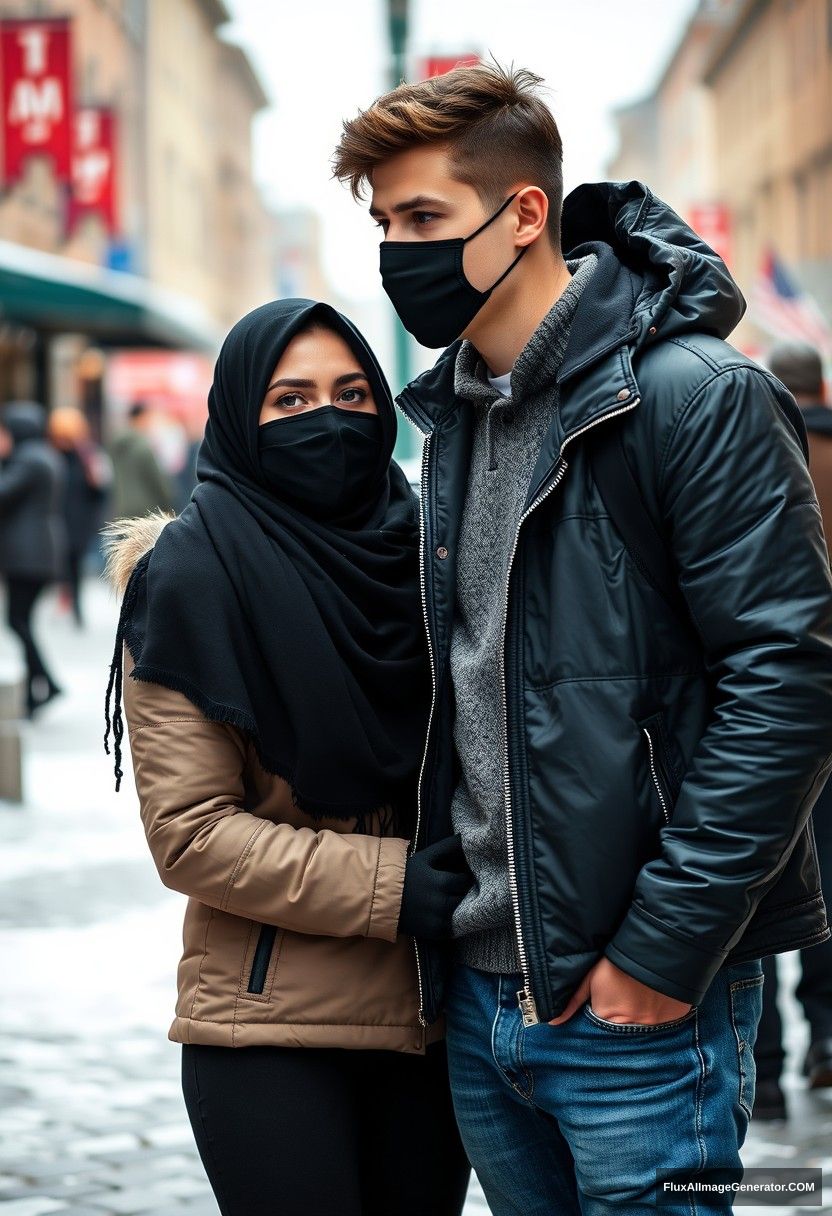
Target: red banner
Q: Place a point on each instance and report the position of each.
(36, 71)
(94, 167)
(438, 65)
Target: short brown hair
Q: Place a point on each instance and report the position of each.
(496, 125)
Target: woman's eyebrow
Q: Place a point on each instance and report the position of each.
(293, 383)
(349, 376)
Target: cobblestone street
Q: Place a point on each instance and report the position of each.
(91, 1116)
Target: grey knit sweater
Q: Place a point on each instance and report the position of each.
(507, 437)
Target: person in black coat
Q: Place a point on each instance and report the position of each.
(32, 532)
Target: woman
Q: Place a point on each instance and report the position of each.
(87, 475)
(32, 534)
(277, 714)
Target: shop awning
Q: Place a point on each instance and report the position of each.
(55, 294)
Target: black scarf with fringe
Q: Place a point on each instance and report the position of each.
(306, 634)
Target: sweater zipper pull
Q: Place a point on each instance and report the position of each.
(528, 1007)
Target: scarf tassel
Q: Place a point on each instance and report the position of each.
(115, 684)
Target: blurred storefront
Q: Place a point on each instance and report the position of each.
(737, 136)
(129, 216)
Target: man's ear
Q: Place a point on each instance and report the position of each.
(531, 208)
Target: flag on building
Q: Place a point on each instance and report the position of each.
(781, 307)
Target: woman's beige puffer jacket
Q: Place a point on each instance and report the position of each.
(290, 928)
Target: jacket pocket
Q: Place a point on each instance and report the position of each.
(662, 770)
(261, 959)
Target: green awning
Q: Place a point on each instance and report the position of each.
(55, 294)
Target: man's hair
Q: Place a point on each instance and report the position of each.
(799, 366)
(496, 126)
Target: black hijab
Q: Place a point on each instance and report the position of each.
(305, 633)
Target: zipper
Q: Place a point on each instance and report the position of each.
(262, 955)
(525, 997)
(423, 585)
(654, 766)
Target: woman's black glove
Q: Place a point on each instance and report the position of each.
(435, 881)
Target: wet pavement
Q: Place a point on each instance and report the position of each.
(91, 1115)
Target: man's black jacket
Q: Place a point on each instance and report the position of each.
(660, 768)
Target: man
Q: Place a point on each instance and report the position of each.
(631, 782)
(799, 367)
(139, 483)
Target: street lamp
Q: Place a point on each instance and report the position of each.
(397, 23)
(397, 12)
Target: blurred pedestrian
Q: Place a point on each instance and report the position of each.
(140, 484)
(277, 713)
(186, 478)
(88, 474)
(32, 533)
(800, 368)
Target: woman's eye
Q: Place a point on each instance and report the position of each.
(353, 395)
(289, 401)
(423, 217)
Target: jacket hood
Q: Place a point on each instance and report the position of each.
(24, 420)
(681, 284)
(125, 540)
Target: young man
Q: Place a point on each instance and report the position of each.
(631, 777)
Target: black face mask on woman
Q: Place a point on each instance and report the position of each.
(427, 286)
(322, 461)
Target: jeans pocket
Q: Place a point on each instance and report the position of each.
(638, 1027)
(746, 1001)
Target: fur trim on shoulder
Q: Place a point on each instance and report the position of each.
(128, 539)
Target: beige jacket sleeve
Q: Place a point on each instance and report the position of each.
(189, 774)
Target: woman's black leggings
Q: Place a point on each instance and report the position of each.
(289, 1131)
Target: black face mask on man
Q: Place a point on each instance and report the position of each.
(427, 286)
(322, 461)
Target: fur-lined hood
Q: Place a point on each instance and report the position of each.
(126, 540)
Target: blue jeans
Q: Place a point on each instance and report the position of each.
(577, 1118)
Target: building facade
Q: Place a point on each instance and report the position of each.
(770, 76)
(188, 247)
(742, 147)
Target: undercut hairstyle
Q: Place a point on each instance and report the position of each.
(497, 129)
